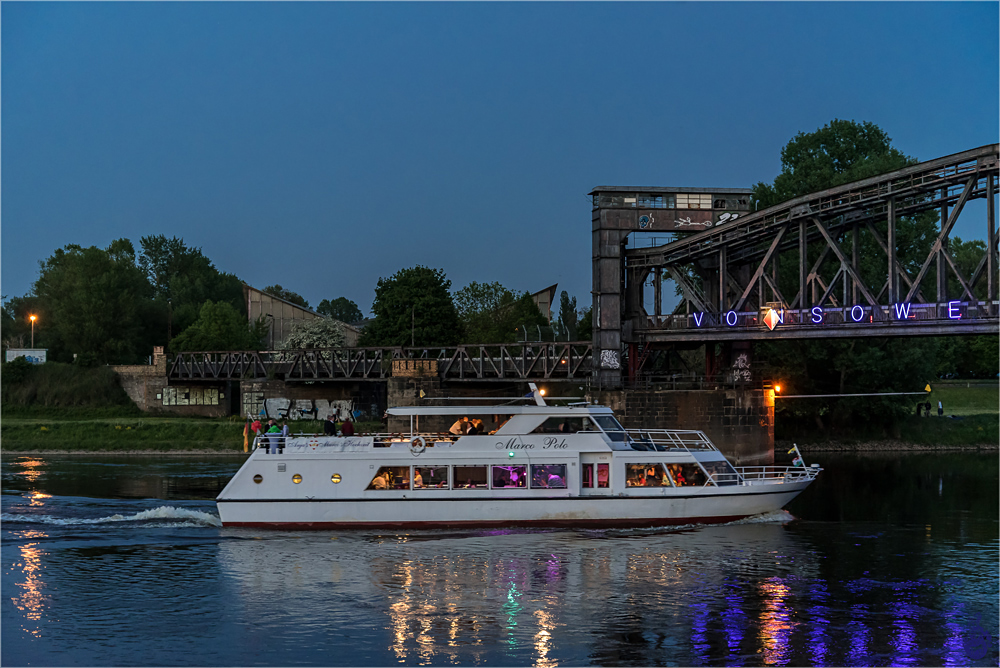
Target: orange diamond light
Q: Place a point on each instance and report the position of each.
(771, 319)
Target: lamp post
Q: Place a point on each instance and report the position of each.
(32, 318)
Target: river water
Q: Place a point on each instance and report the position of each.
(885, 560)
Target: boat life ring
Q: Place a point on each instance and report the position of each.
(417, 445)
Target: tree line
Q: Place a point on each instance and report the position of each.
(113, 305)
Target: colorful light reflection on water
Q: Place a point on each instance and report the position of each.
(807, 592)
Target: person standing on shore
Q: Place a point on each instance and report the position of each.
(940, 410)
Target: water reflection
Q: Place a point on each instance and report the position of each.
(774, 626)
(31, 601)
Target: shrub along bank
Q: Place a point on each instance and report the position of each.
(83, 432)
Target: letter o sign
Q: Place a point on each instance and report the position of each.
(857, 313)
(731, 318)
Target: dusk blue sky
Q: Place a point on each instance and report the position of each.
(323, 145)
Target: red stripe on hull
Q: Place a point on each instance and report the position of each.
(490, 524)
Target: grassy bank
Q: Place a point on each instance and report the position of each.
(965, 398)
(90, 431)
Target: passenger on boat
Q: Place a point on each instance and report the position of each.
(347, 428)
(381, 481)
(418, 480)
(273, 437)
(460, 427)
(330, 427)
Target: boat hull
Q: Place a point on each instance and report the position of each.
(707, 505)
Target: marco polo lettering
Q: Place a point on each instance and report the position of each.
(515, 444)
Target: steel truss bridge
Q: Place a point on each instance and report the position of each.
(533, 361)
(729, 274)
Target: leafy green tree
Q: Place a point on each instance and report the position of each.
(568, 316)
(585, 326)
(342, 309)
(183, 279)
(315, 333)
(289, 296)
(491, 313)
(838, 153)
(220, 327)
(413, 304)
(95, 301)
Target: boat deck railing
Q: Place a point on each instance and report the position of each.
(664, 440)
(764, 475)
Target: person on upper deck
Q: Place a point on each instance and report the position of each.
(330, 427)
(347, 428)
(461, 427)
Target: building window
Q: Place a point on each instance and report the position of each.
(694, 201)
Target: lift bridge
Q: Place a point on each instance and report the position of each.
(727, 268)
(728, 271)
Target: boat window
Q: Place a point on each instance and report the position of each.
(722, 473)
(564, 425)
(469, 477)
(510, 476)
(548, 476)
(587, 475)
(391, 477)
(687, 475)
(646, 475)
(611, 427)
(430, 477)
(603, 475)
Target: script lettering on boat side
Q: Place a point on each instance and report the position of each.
(553, 443)
(548, 443)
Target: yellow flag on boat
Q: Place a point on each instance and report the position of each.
(791, 451)
(928, 388)
(246, 437)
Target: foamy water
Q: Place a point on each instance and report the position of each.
(187, 517)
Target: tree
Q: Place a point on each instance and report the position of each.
(95, 301)
(342, 309)
(220, 327)
(315, 333)
(585, 326)
(183, 279)
(838, 153)
(289, 296)
(568, 315)
(413, 304)
(490, 313)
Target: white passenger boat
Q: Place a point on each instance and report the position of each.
(568, 466)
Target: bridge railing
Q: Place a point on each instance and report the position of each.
(525, 361)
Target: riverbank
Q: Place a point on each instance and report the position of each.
(84, 432)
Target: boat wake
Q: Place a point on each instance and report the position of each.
(773, 517)
(164, 516)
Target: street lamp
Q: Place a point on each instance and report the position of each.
(32, 318)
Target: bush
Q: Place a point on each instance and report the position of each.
(55, 384)
(16, 370)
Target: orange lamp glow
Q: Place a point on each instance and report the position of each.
(777, 389)
(32, 318)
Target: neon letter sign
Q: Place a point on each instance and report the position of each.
(817, 315)
(902, 310)
(732, 322)
(953, 311)
(698, 317)
(859, 316)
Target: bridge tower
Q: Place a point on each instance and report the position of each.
(619, 211)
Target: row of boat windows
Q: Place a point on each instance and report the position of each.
(549, 476)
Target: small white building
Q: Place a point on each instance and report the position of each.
(33, 355)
